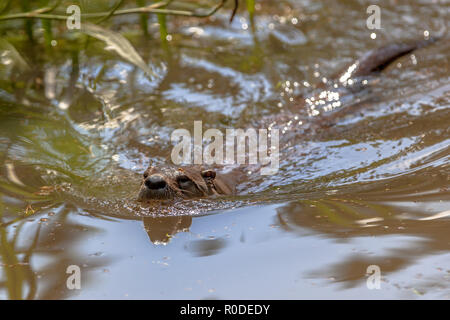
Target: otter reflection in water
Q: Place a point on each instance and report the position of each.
(161, 229)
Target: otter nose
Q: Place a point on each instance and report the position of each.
(155, 182)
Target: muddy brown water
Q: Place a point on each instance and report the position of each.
(79, 129)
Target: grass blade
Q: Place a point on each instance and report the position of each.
(115, 41)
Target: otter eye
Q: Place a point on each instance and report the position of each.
(145, 175)
(209, 174)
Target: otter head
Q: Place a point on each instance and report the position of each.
(180, 182)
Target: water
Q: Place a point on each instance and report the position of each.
(80, 126)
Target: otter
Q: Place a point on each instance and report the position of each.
(169, 182)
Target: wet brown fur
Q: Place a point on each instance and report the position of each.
(204, 183)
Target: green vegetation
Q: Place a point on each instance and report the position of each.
(49, 22)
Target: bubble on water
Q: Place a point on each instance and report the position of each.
(196, 31)
(63, 105)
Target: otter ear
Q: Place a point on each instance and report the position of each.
(211, 174)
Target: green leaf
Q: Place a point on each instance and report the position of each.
(115, 41)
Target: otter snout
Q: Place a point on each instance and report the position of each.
(155, 182)
(155, 186)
